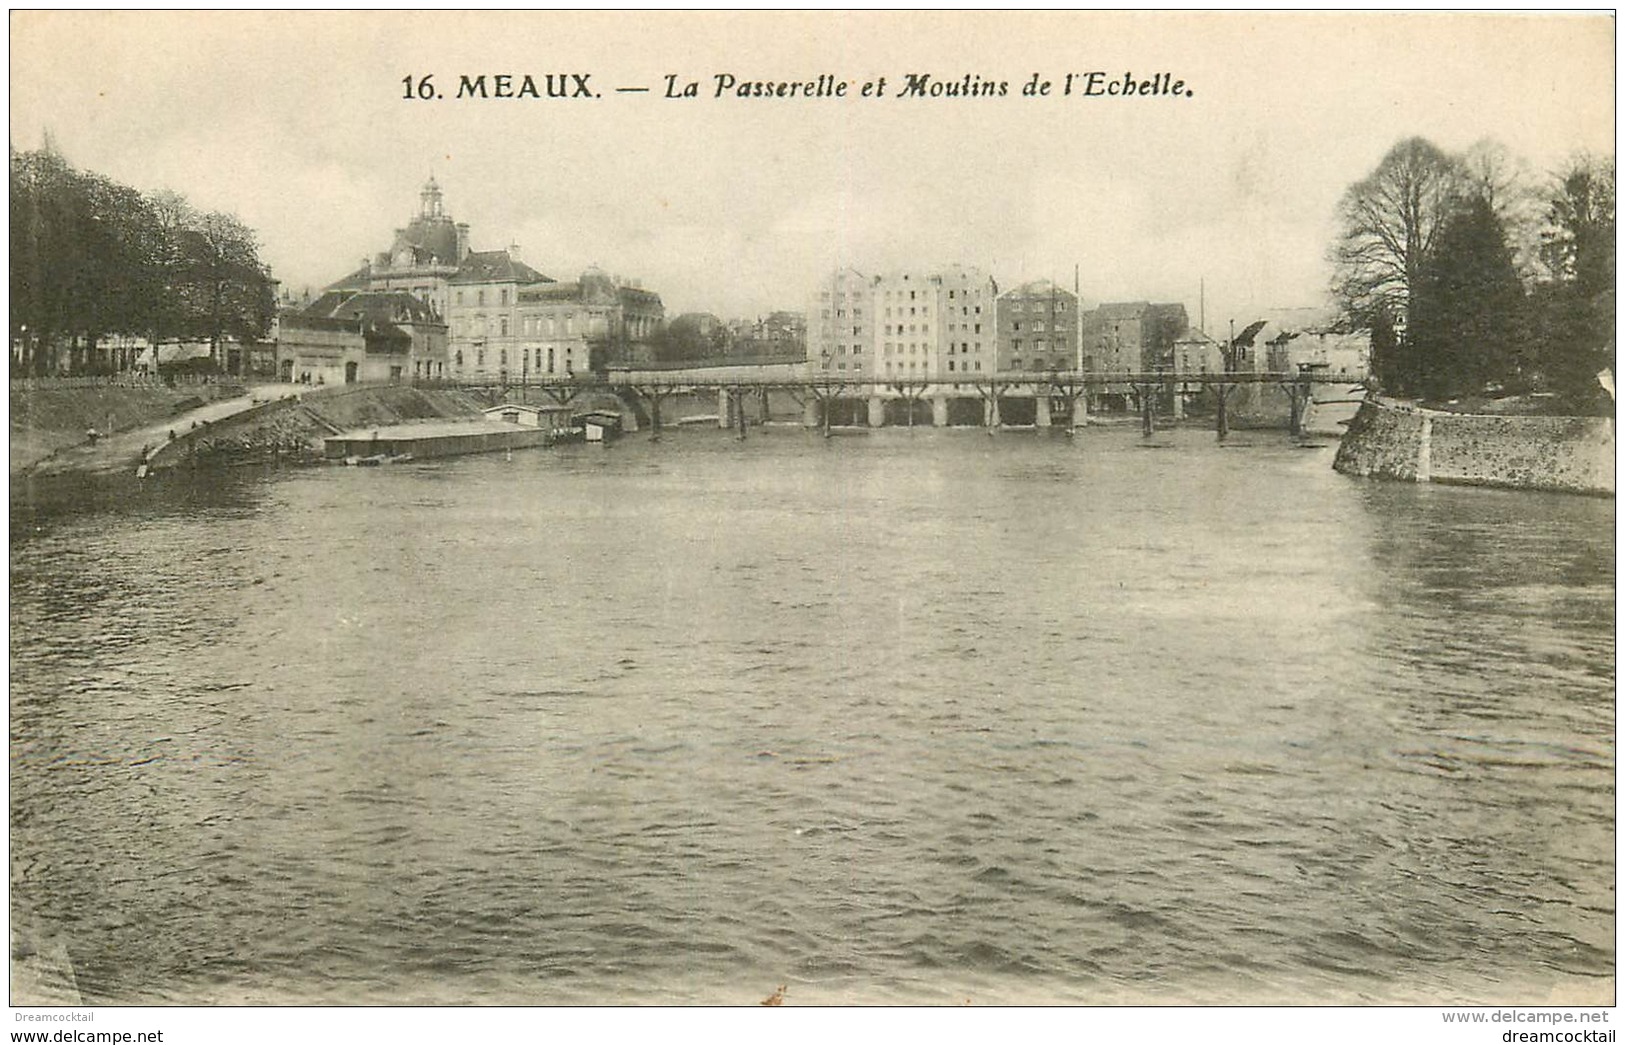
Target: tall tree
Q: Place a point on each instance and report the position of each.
(234, 290)
(1388, 223)
(1466, 327)
(1504, 181)
(1575, 309)
(91, 257)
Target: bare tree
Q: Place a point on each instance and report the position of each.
(1505, 182)
(1389, 221)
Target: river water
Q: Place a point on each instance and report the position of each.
(904, 717)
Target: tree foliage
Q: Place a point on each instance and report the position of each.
(1573, 313)
(92, 258)
(1466, 309)
(1469, 276)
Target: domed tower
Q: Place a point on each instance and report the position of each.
(430, 203)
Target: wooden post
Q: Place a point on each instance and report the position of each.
(1222, 392)
(654, 416)
(739, 398)
(1147, 402)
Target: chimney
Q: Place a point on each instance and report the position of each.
(462, 241)
(513, 252)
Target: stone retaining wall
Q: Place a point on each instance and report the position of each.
(1390, 440)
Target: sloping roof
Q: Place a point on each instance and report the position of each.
(307, 321)
(431, 239)
(357, 280)
(1038, 288)
(385, 306)
(496, 266)
(551, 291)
(394, 306)
(1123, 309)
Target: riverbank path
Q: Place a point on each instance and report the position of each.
(123, 451)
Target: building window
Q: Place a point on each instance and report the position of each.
(459, 297)
(479, 357)
(479, 297)
(504, 329)
(502, 296)
(502, 357)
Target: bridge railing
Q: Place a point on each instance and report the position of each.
(123, 380)
(678, 379)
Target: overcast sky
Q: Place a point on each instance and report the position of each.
(297, 123)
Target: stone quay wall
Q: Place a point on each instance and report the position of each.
(1392, 440)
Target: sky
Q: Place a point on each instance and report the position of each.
(1222, 196)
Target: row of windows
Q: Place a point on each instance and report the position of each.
(917, 365)
(964, 326)
(1017, 305)
(525, 358)
(925, 328)
(479, 297)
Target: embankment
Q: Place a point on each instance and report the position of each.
(46, 420)
(1391, 440)
(293, 430)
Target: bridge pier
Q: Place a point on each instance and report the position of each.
(939, 411)
(1298, 394)
(877, 412)
(1221, 393)
(765, 409)
(724, 409)
(1041, 418)
(990, 412)
(809, 412)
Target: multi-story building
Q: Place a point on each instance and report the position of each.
(563, 328)
(1195, 353)
(423, 258)
(1131, 337)
(484, 313)
(967, 306)
(344, 337)
(908, 324)
(1038, 328)
(505, 320)
(913, 324)
(841, 325)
